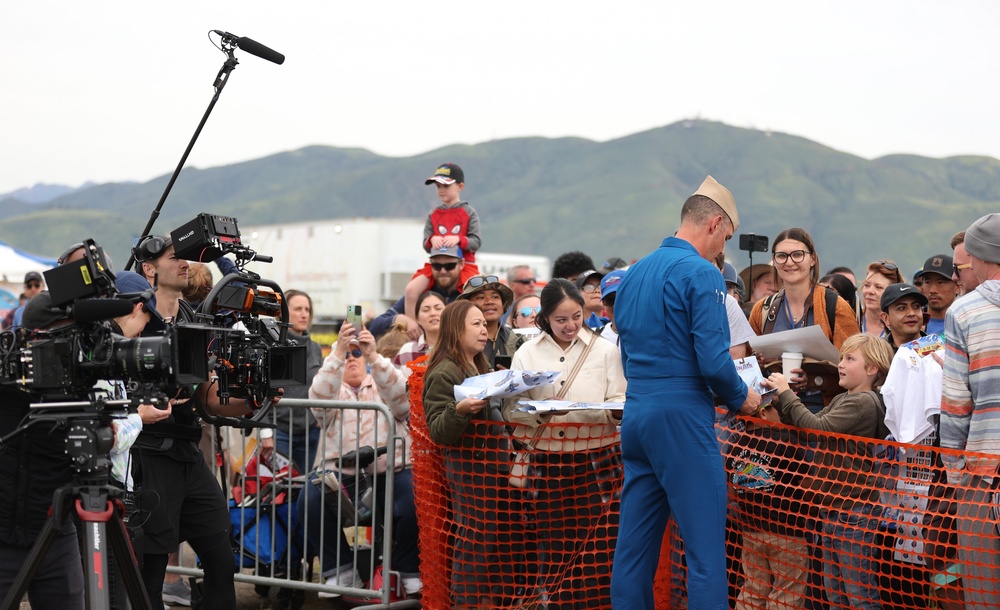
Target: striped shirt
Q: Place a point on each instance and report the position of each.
(970, 405)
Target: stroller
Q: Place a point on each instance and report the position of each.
(265, 522)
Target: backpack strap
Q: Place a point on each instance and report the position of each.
(769, 311)
(831, 308)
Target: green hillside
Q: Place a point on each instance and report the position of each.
(547, 196)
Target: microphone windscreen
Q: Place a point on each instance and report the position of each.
(94, 310)
(255, 48)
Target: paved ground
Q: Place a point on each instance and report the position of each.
(247, 599)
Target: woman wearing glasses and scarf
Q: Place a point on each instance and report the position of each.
(802, 302)
(881, 274)
(344, 376)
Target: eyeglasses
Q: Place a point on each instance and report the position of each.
(590, 288)
(957, 269)
(527, 311)
(356, 353)
(481, 280)
(33, 285)
(527, 280)
(797, 256)
(443, 266)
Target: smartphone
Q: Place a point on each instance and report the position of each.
(751, 242)
(503, 361)
(354, 316)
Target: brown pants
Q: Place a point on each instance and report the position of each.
(775, 567)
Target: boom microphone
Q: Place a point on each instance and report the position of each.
(95, 310)
(253, 47)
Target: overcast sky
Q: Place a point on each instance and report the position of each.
(112, 90)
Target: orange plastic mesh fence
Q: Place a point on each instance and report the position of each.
(814, 516)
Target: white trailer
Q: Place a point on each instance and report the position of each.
(356, 261)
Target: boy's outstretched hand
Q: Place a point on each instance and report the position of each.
(776, 381)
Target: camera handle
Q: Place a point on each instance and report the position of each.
(228, 46)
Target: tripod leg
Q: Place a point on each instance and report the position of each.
(95, 557)
(60, 504)
(125, 562)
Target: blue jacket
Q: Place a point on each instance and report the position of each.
(670, 313)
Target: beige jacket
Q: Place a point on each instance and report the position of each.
(601, 379)
(348, 429)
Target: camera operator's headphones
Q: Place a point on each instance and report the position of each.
(150, 247)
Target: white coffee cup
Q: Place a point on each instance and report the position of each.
(789, 361)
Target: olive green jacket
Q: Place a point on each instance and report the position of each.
(445, 424)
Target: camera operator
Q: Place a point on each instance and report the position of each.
(190, 505)
(160, 266)
(32, 466)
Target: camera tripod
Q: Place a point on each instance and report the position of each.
(96, 502)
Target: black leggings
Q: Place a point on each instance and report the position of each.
(216, 555)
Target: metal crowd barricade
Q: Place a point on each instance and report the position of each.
(270, 542)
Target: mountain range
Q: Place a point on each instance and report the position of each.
(548, 196)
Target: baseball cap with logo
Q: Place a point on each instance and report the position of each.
(453, 251)
(940, 264)
(611, 281)
(894, 292)
(449, 173)
(32, 276)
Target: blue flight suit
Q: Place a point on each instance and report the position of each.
(674, 335)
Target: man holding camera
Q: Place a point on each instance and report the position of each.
(191, 506)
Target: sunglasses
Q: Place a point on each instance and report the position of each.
(957, 269)
(797, 256)
(527, 280)
(356, 353)
(526, 312)
(888, 265)
(33, 285)
(443, 266)
(482, 280)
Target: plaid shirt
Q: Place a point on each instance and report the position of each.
(410, 352)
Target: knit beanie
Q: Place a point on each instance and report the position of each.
(982, 239)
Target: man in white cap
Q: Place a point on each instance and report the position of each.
(676, 297)
(970, 413)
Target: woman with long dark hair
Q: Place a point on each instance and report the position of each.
(475, 467)
(571, 491)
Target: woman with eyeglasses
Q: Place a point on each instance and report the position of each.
(344, 377)
(801, 301)
(522, 321)
(524, 310)
(429, 308)
(574, 456)
(881, 274)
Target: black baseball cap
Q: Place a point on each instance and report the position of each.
(32, 276)
(894, 292)
(940, 264)
(449, 173)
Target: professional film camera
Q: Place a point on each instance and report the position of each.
(249, 348)
(65, 360)
(238, 338)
